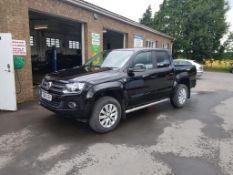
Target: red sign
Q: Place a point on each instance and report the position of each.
(19, 47)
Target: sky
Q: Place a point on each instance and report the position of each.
(133, 9)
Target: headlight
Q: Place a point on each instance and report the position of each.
(74, 88)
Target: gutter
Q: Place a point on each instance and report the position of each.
(94, 8)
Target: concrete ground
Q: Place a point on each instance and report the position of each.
(195, 140)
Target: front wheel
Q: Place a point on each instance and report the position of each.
(106, 115)
(180, 96)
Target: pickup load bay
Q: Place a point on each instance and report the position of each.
(112, 84)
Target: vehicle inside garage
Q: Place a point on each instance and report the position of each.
(113, 40)
(55, 44)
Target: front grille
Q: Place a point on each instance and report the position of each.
(56, 100)
(53, 103)
(55, 87)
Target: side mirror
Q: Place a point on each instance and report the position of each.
(137, 68)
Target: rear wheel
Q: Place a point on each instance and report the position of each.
(180, 96)
(106, 115)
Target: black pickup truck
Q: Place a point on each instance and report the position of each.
(113, 84)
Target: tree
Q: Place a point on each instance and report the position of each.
(197, 26)
(171, 20)
(228, 44)
(147, 17)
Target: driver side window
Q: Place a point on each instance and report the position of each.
(145, 59)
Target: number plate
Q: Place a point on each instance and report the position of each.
(46, 96)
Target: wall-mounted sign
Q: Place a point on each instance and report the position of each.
(95, 16)
(95, 39)
(95, 43)
(19, 47)
(138, 41)
(95, 47)
(19, 62)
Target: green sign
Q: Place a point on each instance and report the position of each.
(95, 43)
(95, 49)
(19, 62)
(95, 46)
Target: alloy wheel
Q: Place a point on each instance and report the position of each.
(182, 96)
(108, 115)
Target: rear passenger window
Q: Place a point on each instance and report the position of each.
(143, 58)
(162, 59)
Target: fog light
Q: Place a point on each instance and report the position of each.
(72, 105)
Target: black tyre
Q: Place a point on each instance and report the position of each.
(179, 96)
(106, 115)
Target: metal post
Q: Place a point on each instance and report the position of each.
(54, 59)
(124, 41)
(83, 44)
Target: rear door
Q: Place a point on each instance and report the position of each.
(165, 75)
(7, 75)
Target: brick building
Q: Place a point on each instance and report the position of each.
(74, 28)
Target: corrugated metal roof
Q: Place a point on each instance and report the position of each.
(100, 10)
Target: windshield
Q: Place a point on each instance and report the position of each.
(113, 59)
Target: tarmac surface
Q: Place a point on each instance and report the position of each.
(161, 140)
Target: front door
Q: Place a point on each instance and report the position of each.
(7, 74)
(139, 85)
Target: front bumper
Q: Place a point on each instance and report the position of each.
(59, 104)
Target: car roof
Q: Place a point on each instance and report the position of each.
(180, 59)
(184, 60)
(143, 49)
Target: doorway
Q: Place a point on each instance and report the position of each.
(56, 43)
(113, 40)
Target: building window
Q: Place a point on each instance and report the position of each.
(150, 44)
(73, 45)
(50, 42)
(156, 44)
(165, 45)
(31, 41)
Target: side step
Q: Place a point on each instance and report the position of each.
(145, 106)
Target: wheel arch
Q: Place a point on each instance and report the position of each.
(112, 89)
(184, 79)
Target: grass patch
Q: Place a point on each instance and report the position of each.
(217, 65)
(217, 69)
